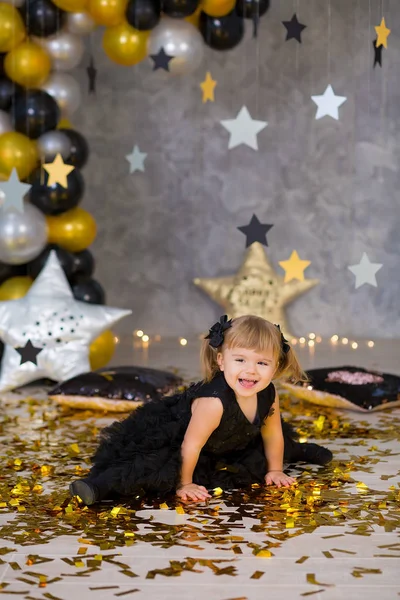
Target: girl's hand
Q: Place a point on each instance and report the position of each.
(192, 491)
(279, 478)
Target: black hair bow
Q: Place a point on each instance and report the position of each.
(284, 342)
(216, 335)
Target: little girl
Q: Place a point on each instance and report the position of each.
(224, 431)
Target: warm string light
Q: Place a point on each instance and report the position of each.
(311, 340)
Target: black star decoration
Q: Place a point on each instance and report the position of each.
(92, 74)
(28, 353)
(161, 60)
(294, 29)
(378, 54)
(255, 231)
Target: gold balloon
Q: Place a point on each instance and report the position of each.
(71, 5)
(125, 45)
(101, 350)
(217, 8)
(28, 64)
(17, 151)
(73, 230)
(12, 28)
(256, 289)
(14, 288)
(194, 18)
(107, 12)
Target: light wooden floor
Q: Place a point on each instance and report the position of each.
(338, 538)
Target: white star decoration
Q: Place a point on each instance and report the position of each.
(365, 271)
(243, 129)
(136, 160)
(14, 192)
(328, 104)
(51, 319)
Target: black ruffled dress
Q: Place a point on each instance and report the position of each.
(142, 454)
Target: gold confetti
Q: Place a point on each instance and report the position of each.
(302, 559)
(264, 554)
(257, 575)
(164, 506)
(311, 579)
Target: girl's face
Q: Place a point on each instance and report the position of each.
(247, 372)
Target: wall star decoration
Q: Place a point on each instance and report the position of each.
(255, 231)
(294, 29)
(58, 172)
(14, 192)
(161, 60)
(328, 104)
(255, 289)
(208, 87)
(243, 129)
(365, 271)
(383, 33)
(294, 267)
(136, 159)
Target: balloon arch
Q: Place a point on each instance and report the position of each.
(40, 42)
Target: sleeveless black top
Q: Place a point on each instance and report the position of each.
(235, 430)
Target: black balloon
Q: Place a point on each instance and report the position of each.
(143, 14)
(88, 290)
(222, 33)
(55, 199)
(8, 271)
(43, 18)
(250, 9)
(34, 112)
(178, 9)
(83, 263)
(66, 260)
(7, 91)
(79, 148)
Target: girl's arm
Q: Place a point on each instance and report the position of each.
(205, 419)
(272, 436)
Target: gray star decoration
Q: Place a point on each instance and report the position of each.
(136, 160)
(243, 129)
(14, 192)
(365, 271)
(50, 319)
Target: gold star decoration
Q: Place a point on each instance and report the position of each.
(255, 289)
(294, 267)
(383, 33)
(58, 171)
(208, 86)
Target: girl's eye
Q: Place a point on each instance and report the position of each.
(263, 363)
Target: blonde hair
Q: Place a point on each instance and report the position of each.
(257, 334)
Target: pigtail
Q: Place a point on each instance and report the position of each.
(208, 361)
(289, 368)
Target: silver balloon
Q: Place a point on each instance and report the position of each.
(52, 143)
(22, 235)
(80, 23)
(65, 90)
(5, 122)
(65, 49)
(179, 39)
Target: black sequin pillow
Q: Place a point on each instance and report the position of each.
(353, 388)
(116, 389)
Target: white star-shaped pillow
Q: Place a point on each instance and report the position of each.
(61, 327)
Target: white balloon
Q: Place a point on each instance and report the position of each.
(5, 122)
(65, 49)
(23, 235)
(179, 39)
(80, 23)
(65, 90)
(59, 327)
